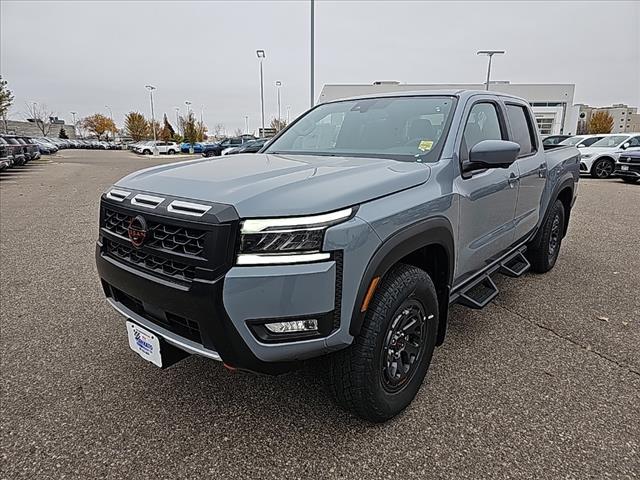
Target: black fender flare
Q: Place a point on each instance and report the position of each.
(431, 231)
(560, 186)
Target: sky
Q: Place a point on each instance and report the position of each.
(84, 55)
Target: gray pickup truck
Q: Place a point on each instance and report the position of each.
(344, 240)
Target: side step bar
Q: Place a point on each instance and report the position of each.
(482, 290)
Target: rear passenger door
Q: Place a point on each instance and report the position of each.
(487, 197)
(532, 168)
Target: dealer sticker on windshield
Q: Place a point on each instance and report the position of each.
(425, 145)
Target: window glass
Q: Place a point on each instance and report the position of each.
(634, 142)
(521, 128)
(401, 128)
(482, 124)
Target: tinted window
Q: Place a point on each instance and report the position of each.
(634, 142)
(589, 141)
(482, 124)
(521, 128)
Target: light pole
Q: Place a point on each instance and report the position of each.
(188, 104)
(261, 55)
(151, 88)
(490, 54)
(178, 118)
(288, 112)
(246, 123)
(74, 123)
(110, 117)
(201, 114)
(278, 85)
(311, 100)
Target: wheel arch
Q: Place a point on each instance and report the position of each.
(427, 244)
(601, 157)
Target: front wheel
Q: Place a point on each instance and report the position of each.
(603, 168)
(545, 247)
(171, 152)
(379, 375)
(629, 179)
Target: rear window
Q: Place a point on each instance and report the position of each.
(522, 129)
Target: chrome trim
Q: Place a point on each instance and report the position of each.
(257, 225)
(142, 200)
(186, 208)
(173, 339)
(271, 259)
(117, 195)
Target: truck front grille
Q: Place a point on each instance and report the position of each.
(172, 238)
(153, 263)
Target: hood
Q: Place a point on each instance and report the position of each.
(280, 185)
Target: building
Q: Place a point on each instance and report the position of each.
(552, 103)
(626, 119)
(32, 129)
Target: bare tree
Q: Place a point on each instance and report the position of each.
(218, 131)
(41, 116)
(237, 132)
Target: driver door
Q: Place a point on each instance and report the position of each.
(487, 197)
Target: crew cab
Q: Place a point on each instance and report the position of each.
(599, 159)
(343, 241)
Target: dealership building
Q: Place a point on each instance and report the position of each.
(552, 103)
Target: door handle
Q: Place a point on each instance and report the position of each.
(512, 180)
(542, 170)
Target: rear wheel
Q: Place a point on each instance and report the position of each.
(379, 375)
(603, 168)
(171, 152)
(146, 152)
(543, 251)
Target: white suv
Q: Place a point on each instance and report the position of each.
(146, 148)
(600, 158)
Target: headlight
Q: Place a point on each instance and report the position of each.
(286, 240)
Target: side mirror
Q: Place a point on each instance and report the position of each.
(625, 145)
(492, 154)
(580, 145)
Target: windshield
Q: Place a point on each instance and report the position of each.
(612, 141)
(403, 128)
(572, 141)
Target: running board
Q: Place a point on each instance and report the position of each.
(479, 293)
(515, 266)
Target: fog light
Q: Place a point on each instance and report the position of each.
(310, 325)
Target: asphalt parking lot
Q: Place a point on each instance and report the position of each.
(543, 383)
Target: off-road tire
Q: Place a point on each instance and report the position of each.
(543, 251)
(355, 375)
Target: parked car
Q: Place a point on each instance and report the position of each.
(198, 147)
(628, 166)
(17, 150)
(216, 149)
(554, 139)
(253, 146)
(581, 141)
(422, 197)
(33, 150)
(45, 147)
(599, 159)
(170, 148)
(6, 159)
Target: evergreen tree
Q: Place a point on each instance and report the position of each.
(63, 133)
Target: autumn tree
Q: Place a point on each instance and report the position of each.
(99, 125)
(41, 116)
(600, 122)
(167, 132)
(154, 125)
(136, 126)
(189, 127)
(278, 124)
(201, 130)
(6, 100)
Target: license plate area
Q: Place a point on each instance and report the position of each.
(624, 167)
(144, 343)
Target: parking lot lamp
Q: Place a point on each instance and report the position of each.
(74, 122)
(490, 54)
(246, 124)
(178, 118)
(261, 56)
(110, 117)
(278, 85)
(151, 88)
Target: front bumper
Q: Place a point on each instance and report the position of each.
(629, 170)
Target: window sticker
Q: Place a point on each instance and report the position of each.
(425, 145)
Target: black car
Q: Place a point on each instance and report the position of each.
(253, 146)
(16, 149)
(215, 149)
(6, 160)
(628, 166)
